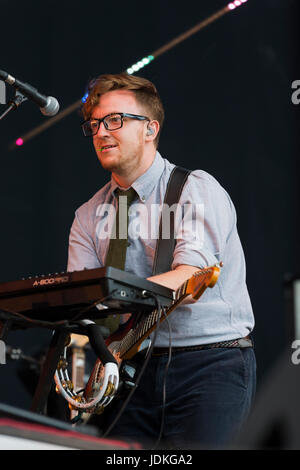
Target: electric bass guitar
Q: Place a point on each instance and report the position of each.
(127, 341)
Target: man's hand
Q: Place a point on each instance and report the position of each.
(174, 279)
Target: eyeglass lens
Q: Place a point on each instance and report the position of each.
(112, 122)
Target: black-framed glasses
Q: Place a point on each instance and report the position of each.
(112, 122)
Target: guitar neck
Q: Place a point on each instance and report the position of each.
(129, 345)
(195, 286)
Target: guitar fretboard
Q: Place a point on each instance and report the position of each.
(136, 335)
(142, 329)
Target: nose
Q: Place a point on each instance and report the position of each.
(102, 131)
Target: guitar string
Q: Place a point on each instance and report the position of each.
(133, 336)
(147, 324)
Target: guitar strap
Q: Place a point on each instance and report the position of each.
(165, 246)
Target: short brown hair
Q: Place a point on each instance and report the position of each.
(145, 92)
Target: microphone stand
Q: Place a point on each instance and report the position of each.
(14, 103)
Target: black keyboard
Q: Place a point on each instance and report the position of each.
(63, 296)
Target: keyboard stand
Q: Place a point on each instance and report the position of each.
(46, 378)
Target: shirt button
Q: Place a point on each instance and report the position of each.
(143, 198)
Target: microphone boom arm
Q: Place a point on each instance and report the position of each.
(14, 103)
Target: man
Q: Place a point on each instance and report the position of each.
(210, 381)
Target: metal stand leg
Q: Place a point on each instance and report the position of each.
(5, 327)
(47, 374)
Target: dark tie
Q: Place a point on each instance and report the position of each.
(116, 254)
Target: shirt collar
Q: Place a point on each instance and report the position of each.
(145, 184)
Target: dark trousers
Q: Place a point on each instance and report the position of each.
(208, 397)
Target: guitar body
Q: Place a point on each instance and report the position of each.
(114, 343)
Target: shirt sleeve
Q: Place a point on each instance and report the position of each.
(82, 253)
(208, 219)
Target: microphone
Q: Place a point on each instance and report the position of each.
(49, 106)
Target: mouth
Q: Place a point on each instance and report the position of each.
(106, 148)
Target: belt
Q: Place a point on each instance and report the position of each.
(233, 343)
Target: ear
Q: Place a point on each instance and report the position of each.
(151, 131)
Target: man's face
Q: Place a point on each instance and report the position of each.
(128, 151)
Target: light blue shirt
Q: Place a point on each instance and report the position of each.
(223, 312)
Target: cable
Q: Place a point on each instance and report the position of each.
(48, 324)
(94, 305)
(36, 322)
(147, 358)
(165, 384)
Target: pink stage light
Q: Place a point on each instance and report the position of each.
(19, 142)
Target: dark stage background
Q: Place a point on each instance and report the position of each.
(234, 78)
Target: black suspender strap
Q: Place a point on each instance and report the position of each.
(165, 247)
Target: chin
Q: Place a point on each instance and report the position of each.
(108, 163)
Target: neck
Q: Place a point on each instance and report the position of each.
(125, 177)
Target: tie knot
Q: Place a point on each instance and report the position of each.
(130, 194)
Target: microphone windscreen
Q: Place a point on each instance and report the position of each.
(51, 108)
